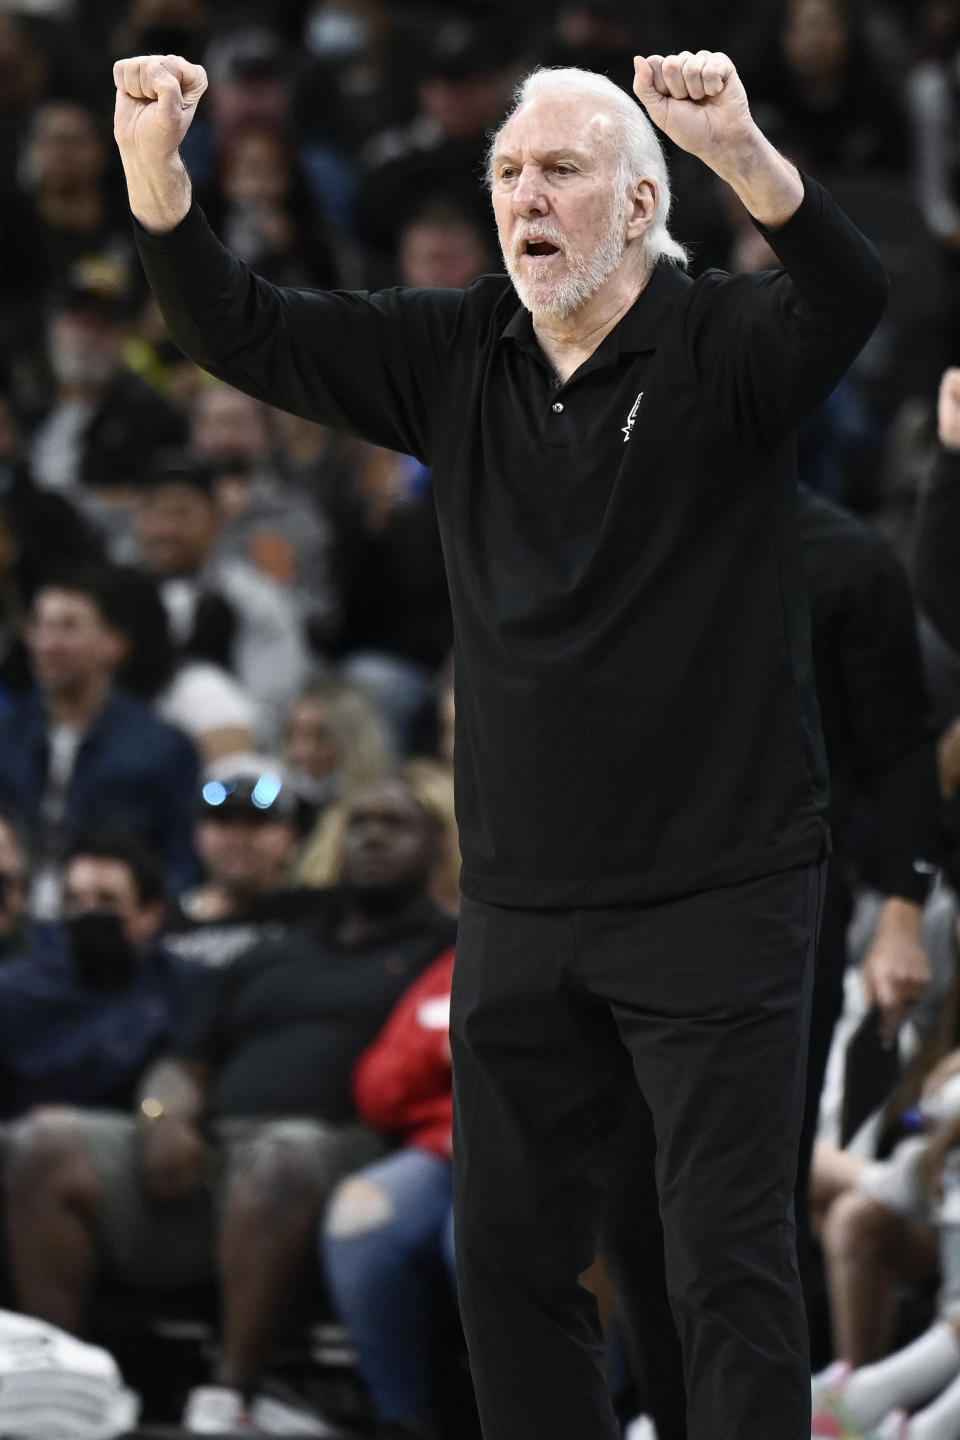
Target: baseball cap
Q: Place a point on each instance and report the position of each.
(254, 784)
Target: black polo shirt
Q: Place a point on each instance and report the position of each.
(636, 715)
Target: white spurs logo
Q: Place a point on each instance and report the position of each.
(631, 418)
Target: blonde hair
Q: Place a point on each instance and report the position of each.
(638, 148)
(363, 738)
(431, 782)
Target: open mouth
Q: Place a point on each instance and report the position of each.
(540, 249)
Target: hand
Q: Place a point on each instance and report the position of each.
(698, 100)
(948, 410)
(157, 97)
(176, 1162)
(895, 974)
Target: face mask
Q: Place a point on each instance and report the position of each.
(334, 34)
(103, 958)
(81, 367)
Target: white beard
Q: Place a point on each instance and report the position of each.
(582, 277)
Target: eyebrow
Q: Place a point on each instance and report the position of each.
(502, 157)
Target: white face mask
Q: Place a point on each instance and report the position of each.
(336, 33)
(75, 365)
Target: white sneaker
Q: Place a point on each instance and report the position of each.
(276, 1417)
(215, 1410)
(642, 1428)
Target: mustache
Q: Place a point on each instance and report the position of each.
(550, 233)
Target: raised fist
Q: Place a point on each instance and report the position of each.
(948, 410)
(698, 100)
(157, 96)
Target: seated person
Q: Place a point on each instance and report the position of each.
(247, 1125)
(79, 752)
(387, 1236)
(872, 1403)
(246, 833)
(873, 1216)
(221, 608)
(14, 884)
(93, 1001)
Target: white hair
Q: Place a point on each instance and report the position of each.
(638, 149)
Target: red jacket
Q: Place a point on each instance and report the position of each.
(403, 1082)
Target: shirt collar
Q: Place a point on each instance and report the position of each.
(638, 330)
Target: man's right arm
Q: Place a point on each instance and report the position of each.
(157, 97)
(371, 365)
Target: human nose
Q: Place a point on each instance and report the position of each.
(528, 193)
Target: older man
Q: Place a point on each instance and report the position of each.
(640, 771)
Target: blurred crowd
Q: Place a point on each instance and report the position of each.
(228, 853)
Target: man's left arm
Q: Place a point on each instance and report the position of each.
(768, 348)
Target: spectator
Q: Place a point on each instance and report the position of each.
(75, 207)
(463, 86)
(397, 629)
(261, 206)
(102, 419)
(921, 1178)
(281, 530)
(96, 999)
(246, 847)
(265, 1108)
(199, 697)
(871, 1216)
(221, 610)
(387, 1236)
(40, 533)
(335, 739)
(445, 246)
(351, 86)
(79, 752)
(931, 93)
(822, 88)
(432, 783)
(938, 523)
(14, 887)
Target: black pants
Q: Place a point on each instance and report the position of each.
(632, 1230)
(708, 999)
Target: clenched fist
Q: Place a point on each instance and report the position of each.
(157, 96)
(948, 410)
(698, 100)
(700, 103)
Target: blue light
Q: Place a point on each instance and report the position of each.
(214, 793)
(266, 791)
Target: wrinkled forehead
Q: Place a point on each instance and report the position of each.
(550, 123)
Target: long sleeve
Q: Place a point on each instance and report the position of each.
(403, 1082)
(892, 746)
(768, 349)
(876, 715)
(374, 365)
(936, 569)
(934, 121)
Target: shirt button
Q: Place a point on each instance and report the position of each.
(557, 407)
